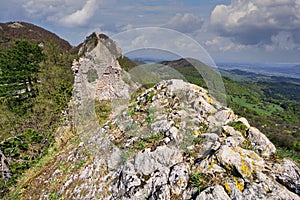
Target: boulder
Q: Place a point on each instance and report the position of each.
(265, 147)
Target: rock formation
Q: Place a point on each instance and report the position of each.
(172, 141)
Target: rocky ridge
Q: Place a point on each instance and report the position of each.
(171, 141)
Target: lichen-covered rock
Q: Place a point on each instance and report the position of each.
(245, 162)
(178, 178)
(213, 193)
(261, 142)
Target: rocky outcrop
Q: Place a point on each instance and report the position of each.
(172, 141)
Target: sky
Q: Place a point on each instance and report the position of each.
(264, 31)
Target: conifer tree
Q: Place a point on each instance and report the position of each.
(19, 69)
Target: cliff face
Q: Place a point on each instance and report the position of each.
(172, 141)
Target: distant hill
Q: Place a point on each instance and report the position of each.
(12, 31)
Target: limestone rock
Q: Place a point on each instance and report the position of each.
(147, 162)
(244, 121)
(289, 175)
(213, 193)
(261, 142)
(179, 177)
(247, 163)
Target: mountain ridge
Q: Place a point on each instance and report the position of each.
(171, 141)
(12, 31)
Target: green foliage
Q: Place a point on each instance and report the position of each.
(131, 112)
(103, 109)
(150, 96)
(199, 181)
(283, 153)
(19, 69)
(239, 126)
(150, 118)
(197, 140)
(126, 63)
(126, 154)
(92, 75)
(24, 150)
(55, 196)
(203, 127)
(131, 126)
(154, 137)
(273, 110)
(27, 135)
(139, 145)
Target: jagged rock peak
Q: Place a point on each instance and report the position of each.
(95, 41)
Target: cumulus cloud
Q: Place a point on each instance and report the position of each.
(65, 12)
(224, 44)
(186, 23)
(258, 21)
(80, 17)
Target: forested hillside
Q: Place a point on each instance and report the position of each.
(35, 87)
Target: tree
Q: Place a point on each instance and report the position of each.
(19, 69)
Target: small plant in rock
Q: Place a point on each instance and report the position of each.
(239, 126)
(131, 126)
(131, 112)
(247, 145)
(155, 137)
(190, 153)
(92, 75)
(139, 145)
(199, 181)
(197, 140)
(150, 96)
(150, 118)
(126, 154)
(203, 127)
(103, 109)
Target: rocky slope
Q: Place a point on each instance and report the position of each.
(172, 141)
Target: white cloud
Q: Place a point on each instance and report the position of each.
(224, 44)
(65, 12)
(257, 21)
(282, 41)
(80, 17)
(185, 23)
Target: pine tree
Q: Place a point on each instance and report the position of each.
(19, 69)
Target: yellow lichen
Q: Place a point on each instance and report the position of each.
(267, 189)
(227, 188)
(196, 132)
(180, 182)
(227, 167)
(210, 100)
(211, 164)
(197, 88)
(239, 185)
(245, 169)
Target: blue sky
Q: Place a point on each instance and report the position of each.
(236, 30)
